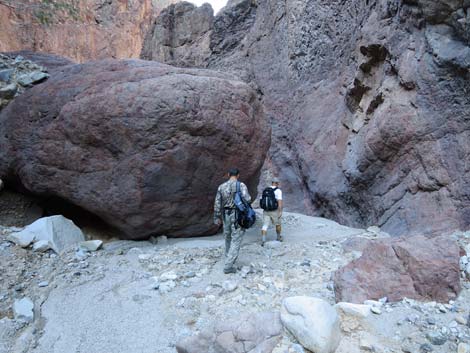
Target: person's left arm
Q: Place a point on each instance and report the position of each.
(245, 194)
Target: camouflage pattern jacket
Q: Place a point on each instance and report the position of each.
(225, 196)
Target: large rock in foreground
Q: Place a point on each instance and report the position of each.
(313, 322)
(141, 144)
(259, 332)
(418, 268)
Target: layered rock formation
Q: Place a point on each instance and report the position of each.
(367, 100)
(140, 144)
(80, 30)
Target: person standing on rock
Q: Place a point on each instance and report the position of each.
(225, 212)
(271, 203)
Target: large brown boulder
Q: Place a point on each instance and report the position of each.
(142, 145)
(418, 267)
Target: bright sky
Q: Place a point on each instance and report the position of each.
(216, 4)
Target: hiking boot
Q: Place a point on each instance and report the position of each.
(229, 270)
(280, 238)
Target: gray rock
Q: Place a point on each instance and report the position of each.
(23, 310)
(41, 246)
(355, 310)
(5, 75)
(272, 244)
(23, 239)
(25, 80)
(463, 348)
(43, 284)
(425, 348)
(59, 231)
(258, 333)
(90, 245)
(436, 338)
(9, 91)
(313, 322)
(38, 76)
(229, 286)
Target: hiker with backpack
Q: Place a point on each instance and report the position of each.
(271, 203)
(232, 208)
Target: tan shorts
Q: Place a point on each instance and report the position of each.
(271, 217)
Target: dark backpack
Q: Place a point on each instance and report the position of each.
(246, 216)
(268, 199)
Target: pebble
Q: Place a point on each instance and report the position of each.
(23, 309)
(463, 348)
(441, 308)
(436, 338)
(229, 286)
(424, 348)
(376, 310)
(43, 284)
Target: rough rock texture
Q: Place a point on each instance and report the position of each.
(16, 75)
(49, 61)
(81, 30)
(367, 101)
(140, 144)
(313, 322)
(59, 232)
(258, 332)
(417, 267)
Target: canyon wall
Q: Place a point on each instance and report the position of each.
(79, 30)
(368, 100)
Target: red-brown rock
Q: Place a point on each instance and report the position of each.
(142, 145)
(81, 30)
(418, 267)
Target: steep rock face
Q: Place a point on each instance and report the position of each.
(367, 101)
(80, 30)
(143, 145)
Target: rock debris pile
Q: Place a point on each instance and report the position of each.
(281, 300)
(16, 75)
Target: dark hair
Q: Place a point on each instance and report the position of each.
(233, 172)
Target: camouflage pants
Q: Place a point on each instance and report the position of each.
(233, 239)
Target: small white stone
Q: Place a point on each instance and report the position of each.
(229, 286)
(41, 246)
(376, 310)
(90, 245)
(463, 348)
(23, 309)
(168, 276)
(43, 284)
(23, 239)
(355, 310)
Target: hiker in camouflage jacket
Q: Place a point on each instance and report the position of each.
(225, 212)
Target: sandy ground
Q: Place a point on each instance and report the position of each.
(144, 297)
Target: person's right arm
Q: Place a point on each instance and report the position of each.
(218, 208)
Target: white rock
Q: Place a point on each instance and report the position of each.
(168, 276)
(90, 245)
(23, 239)
(273, 244)
(23, 309)
(376, 310)
(59, 231)
(463, 348)
(43, 284)
(229, 286)
(313, 322)
(166, 286)
(355, 310)
(41, 246)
